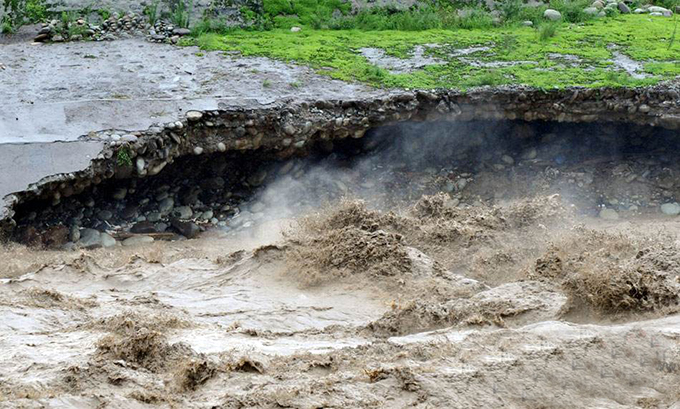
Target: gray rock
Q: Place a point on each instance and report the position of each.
(207, 215)
(120, 193)
(74, 234)
(598, 4)
(161, 227)
(528, 23)
(657, 9)
(181, 31)
(153, 217)
(623, 8)
(552, 15)
(90, 238)
(166, 205)
(140, 165)
(105, 215)
(257, 178)
(508, 159)
(143, 227)
(182, 212)
(194, 116)
(186, 229)
(137, 240)
(107, 240)
(593, 11)
(198, 150)
(609, 214)
(289, 129)
(670, 209)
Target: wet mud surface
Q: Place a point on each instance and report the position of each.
(380, 282)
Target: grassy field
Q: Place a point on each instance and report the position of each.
(548, 56)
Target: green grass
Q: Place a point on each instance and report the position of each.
(547, 31)
(519, 55)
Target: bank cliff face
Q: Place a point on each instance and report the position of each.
(289, 128)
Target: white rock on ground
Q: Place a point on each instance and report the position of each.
(671, 209)
(609, 214)
(137, 240)
(552, 15)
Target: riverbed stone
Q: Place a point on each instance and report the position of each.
(90, 238)
(609, 214)
(670, 209)
(166, 205)
(120, 193)
(182, 212)
(107, 240)
(105, 215)
(552, 15)
(194, 116)
(153, 217)
(257, 178)
(186, 229)
(623, 8)
(137, 240)
(143, 227)
(74, 234)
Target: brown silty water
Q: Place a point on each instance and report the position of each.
(487, 264)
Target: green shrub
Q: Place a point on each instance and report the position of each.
(123, 157)
(511, 9)
(474, 18)
(414, 19)
(547, 31)
(180, 12)
(104, 14)
(20, 12)
(6, 27)
(210, 25)
(36, 11)
(151, 12)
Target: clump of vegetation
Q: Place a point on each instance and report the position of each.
(123, 156)
(180, 12)
(20, 12)
(104, 14)
(151, 12)
(490, 77)
(547, 31)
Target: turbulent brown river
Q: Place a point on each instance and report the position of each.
(528, 277)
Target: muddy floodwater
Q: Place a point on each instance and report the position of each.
(519, 275)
